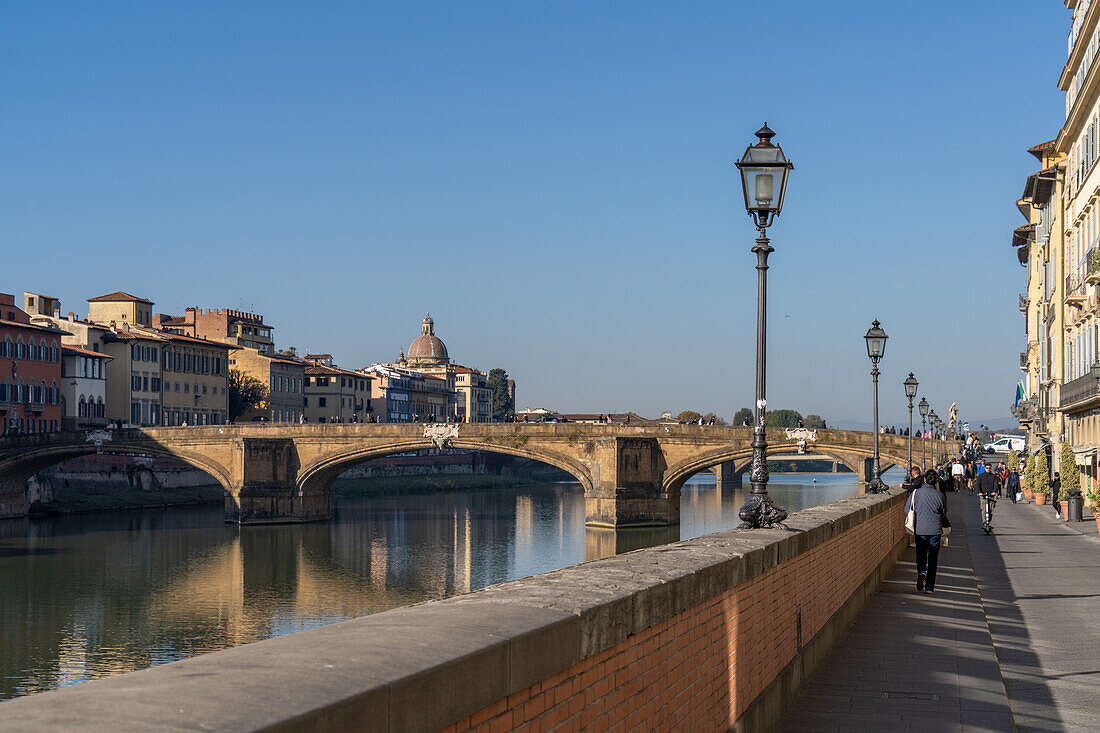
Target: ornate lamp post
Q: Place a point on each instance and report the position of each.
(876, 349)
(933, 418)
(764, 170)
(923, 407)
(910, 392)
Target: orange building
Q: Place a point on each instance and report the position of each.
(30, 372)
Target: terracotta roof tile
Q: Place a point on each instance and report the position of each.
(119, 296)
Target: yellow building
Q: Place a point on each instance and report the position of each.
(1078, 147)
(121, 310)
(1040, 248)
(285, 380)
(195, 379)
(333, 394)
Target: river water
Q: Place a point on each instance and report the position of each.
(91, 596)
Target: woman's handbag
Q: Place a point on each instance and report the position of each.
(911, 517)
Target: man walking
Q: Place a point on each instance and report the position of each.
(986, 483)
(930, 517)
(1055, 489)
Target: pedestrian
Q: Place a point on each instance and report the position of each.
(957, 474)
(929, 519)
(913, 481)
(1013, 485)
(1055, 487)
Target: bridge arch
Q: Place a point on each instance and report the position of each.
(16, 471)
(319, 474)
(741, 457)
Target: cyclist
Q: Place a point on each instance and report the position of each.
(986, 485)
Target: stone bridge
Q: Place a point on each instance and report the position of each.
(283, 473)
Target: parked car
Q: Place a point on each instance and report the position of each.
(1005, 444)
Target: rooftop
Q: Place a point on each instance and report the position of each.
(119, 296)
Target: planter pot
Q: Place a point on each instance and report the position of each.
(1097, 517)
(1065, 510)
(1040, 498)
(1028, 494)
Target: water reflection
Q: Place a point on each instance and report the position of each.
(96, 595)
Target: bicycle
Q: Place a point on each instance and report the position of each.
(989, 502)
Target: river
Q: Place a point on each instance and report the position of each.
(89, 596)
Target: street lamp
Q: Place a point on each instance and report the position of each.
(910, 392)
(876, 349)
(923, 407)
(933, 418)
(764, 170)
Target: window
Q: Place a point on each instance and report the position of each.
(322, 402)
(187, 388)
(156, 384)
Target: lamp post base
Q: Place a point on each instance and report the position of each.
(759, 512)
(877, 486)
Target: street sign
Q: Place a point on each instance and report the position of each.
(966, 426)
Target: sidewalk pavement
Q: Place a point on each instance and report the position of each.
(1009, 641)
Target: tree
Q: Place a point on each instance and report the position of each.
(1070, 474)
(1013, 460)
(782, 418)
(1029, 474)
(289, 351)
(1040, 481)
(743, 416)
(814, 422)
(245, 393)
(689, 416)
(503, 405)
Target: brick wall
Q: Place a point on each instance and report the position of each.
(700, 669)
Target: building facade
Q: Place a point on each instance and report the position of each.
(30, 372)
(195, 380)
(83, 388)
(333, 394)
(239, 328)
(1079, 143)
(285, 380)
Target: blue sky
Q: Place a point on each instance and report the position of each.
(553, 181)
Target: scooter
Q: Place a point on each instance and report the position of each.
(987, 512)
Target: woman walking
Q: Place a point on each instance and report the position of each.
(929, 519)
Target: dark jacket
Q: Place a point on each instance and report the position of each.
(1013, 481)
(986, 483)
(1055, 487)
(931, 511)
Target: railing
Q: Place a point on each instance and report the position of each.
(1092, 265)
(1023, 303)
(1079, 390)
(1023, 360)
(1075, 287)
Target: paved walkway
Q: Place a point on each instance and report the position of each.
(1009, 641)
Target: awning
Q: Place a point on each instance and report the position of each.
(1029, 188)
(1084, 456)
(1021, 254)
(1044, 186)
(1023, 235)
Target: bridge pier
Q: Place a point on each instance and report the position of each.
(265, 488)
(727, 476)
(627, 488)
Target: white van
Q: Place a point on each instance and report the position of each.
(1005, 444)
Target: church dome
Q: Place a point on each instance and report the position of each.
(427, 349)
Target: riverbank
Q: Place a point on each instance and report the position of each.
(112, 497)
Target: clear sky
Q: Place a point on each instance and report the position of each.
(553, 181)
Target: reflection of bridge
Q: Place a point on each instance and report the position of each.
(280, 473)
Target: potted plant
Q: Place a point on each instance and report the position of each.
(1040, 479)
(1029, 479)
(1071, 478)
(1093, 498)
